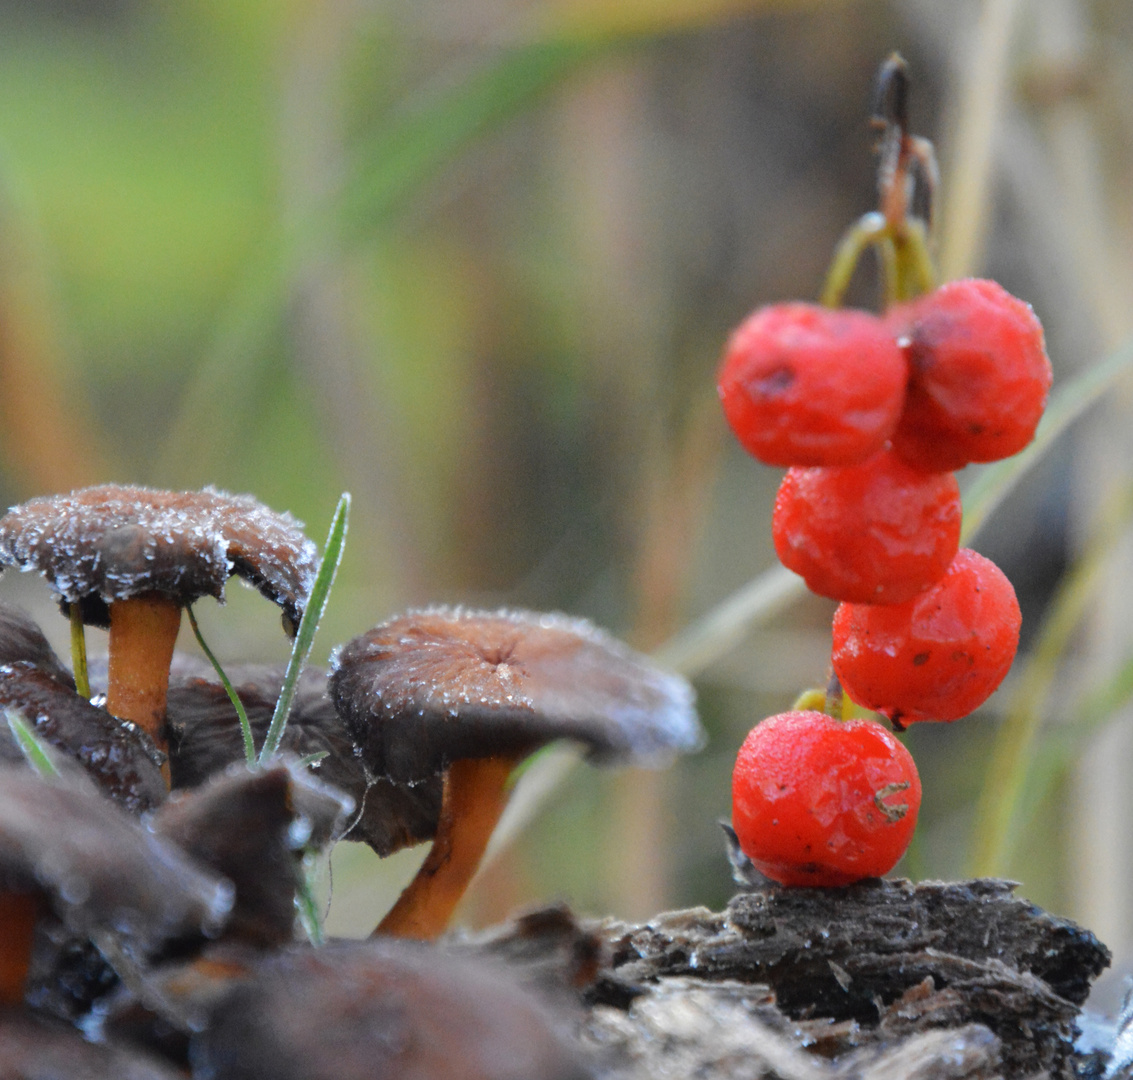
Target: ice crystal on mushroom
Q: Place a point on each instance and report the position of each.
(517, 679)
(111, 542)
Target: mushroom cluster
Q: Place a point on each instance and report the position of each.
(139, 849)
(131, 558)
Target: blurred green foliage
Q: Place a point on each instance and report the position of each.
(475, 263)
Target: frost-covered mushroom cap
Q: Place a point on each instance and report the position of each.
(103, 544)
(446, 684)
(119, 757)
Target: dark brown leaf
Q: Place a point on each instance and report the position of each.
(101, 869)
(33, 1048)
(118, 756)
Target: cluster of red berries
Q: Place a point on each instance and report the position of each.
(871, 414)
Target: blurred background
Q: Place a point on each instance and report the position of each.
(475, 262)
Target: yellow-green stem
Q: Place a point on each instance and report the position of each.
(79, 650)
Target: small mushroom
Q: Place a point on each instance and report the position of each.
(371, 1010)
(64, 846)
(131, 558)
(121, 758)
(470, 694)
(22, 641)
(205, 738)
(247, 824)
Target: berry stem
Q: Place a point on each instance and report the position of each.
(912, 272)
(811, 700)
(835, 699)
(899, 238)
(868, 231)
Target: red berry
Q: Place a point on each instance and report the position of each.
(878, 533)
(937, 657)
(820, 802)
(978, 375)
(806, 385)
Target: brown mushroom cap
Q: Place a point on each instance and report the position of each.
(22, 640)
(205, 738)
(445, 684)
(38, 1047)
(247, 824)
(108, 543)
(101, 869)
(355, 1010)
(119, 757)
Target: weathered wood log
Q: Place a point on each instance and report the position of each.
(885, 979)
(891, 958)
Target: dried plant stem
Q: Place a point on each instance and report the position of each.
(979, 107)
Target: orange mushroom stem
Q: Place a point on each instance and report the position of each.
(475, 794)
(18, 913)
(143, 632)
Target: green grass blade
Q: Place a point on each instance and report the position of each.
(316, 605)
(1062, 745)
(1014, 747)
(1007, 787)
(313, 759)
(31, 746)
(229, 689)
(310, 917)
(727, 624)
(1067, 403)
(438, 123)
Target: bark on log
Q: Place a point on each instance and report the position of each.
(889, 958)
(883, 980)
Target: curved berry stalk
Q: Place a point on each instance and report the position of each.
(899, 238)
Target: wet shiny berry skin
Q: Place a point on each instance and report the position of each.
(937, 657)
(978, 375)
(820, 802)
(807, 385)
(878, 533)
